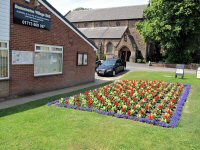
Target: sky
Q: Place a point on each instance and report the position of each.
(63, 6)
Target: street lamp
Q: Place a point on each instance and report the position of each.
(100, 50)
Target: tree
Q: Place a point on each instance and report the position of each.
(175, 25)
(81, 8)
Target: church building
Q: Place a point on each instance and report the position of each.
(113, 30)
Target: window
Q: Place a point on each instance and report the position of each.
(85, 24)
(117, 23)
(48, 60)
(82, 59)
(125, 37)
(4, 60)
(101, 24)
(109, 47)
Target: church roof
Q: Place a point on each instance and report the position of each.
(115, 13)
(104, 32)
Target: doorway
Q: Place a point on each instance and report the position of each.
(125, 54)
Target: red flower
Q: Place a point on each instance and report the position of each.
(67, 102)
(135, 99)
(171, 106)
(112, 98)
(146, 98)
(128, 103)
(130, 112)
(123, 109)
(141, 111)
(131, 94)
(160, 106)
(151, 117)
(174, 101)
(167, 116)
(116, 104)
(90, 103)
(157, 98)
(147, 106)
(169, 111)
(79, 104)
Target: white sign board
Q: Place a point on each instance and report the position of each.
(179, 71)
(198, 73)
(22, 57)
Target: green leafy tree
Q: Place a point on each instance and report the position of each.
(81, 8)
(175, 24)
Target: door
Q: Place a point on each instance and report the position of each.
(123, 55)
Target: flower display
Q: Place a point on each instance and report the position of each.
(153, 102)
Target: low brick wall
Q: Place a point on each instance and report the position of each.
(189, 66)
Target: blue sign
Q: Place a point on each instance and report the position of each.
(31, 17)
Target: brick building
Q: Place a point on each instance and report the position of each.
(129, 46)
(39, 50)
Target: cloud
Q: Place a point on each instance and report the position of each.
(66, 5)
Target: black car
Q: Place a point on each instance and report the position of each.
(97, 64)
(111, 67)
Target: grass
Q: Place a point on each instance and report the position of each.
(36, 126)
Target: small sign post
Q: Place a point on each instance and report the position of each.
(198, 73)
(179, 70)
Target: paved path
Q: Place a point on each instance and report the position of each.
(23, 100)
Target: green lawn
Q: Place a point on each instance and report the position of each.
(36, 126)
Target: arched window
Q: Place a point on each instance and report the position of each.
(109, 47)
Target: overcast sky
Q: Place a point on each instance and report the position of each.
(66, 5)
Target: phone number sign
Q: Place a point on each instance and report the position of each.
(32, 18)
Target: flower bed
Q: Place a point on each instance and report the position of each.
(153, 102)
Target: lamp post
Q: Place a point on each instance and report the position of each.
(100, 50)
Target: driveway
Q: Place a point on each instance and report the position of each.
(135, 67)
(108, 78)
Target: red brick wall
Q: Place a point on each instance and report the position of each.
(24, 38)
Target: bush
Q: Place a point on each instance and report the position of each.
(104, 56)
(141, 61)
(97, 57)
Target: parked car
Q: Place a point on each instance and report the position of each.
(98, 63)
(111, 67)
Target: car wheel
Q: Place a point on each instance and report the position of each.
(124, 68)
(113, 73)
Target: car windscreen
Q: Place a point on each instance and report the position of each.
(109, 62)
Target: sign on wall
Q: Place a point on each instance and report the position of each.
(30, 17)
(22, 57)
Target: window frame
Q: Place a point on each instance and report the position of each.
(81, 53)
(43, 51)
(107, 48)
(118, 23)
(6, 49)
